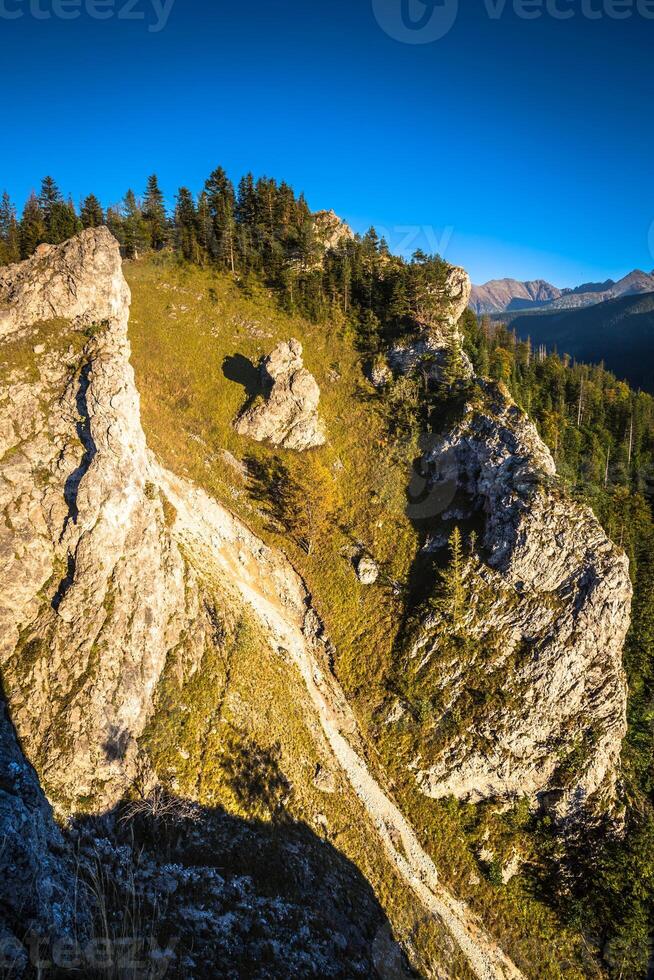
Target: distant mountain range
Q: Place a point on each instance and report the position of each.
(509, 295)
(618, 331)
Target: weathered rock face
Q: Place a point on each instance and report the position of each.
(561, 602)
(80, 278)
(330, 230)
(289, 415)
(93, 591)
(437, 330)
(456, 295)
(97, 549)
(32, 858)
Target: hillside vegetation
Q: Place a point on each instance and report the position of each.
(196, 337)
(217, 285)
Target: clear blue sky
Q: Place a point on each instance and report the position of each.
(526, 145)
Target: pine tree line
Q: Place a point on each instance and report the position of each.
(259, 230)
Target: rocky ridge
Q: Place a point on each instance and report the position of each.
(330, 230)
(560, 607)
(104, 556)
(503, 294)
(559, 595)
(509, 295)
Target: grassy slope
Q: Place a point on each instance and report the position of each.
(185, 323)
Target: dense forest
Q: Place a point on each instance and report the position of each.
(260, 230)
(600, 431)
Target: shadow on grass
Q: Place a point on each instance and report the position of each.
(240, 370)
(163, 886)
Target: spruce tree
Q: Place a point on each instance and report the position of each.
(453, 594)
(32, 227)
(246, 214)
(221, 205)
(9, 232)
(154, 214)
(452, 365)
(49, 197)
(205, 225)
(186, 234)
(63, 223)
(246, 204)
(136, 233)
(91, 213)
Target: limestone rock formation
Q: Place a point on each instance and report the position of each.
(456, 295)
(288, 416)
(437, 329)
(110, 570)
(93, 592)
(561, 603)
(80, 278)
(330, 230)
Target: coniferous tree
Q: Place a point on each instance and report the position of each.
(32, 227)
(453, 598)
(59, 217)
(186, 232)
(9, 232)
(221, 205)
(246, 214)
(116, 223)
(452, 367)
(135, 231)
(63, 223)
(204, 225)
(154, 214)
(49, 197)
(91, 213)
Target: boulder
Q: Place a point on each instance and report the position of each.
(288, 415)
(367, 570)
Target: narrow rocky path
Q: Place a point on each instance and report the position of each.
(267, 583)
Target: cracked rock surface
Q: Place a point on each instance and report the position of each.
(561, 600)
(93, 593)
(288, 416)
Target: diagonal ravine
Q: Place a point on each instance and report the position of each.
(264, 579)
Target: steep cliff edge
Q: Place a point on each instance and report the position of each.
(94, 595)
(551, 607)
(525, 683)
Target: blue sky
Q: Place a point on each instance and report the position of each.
(518, 147)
